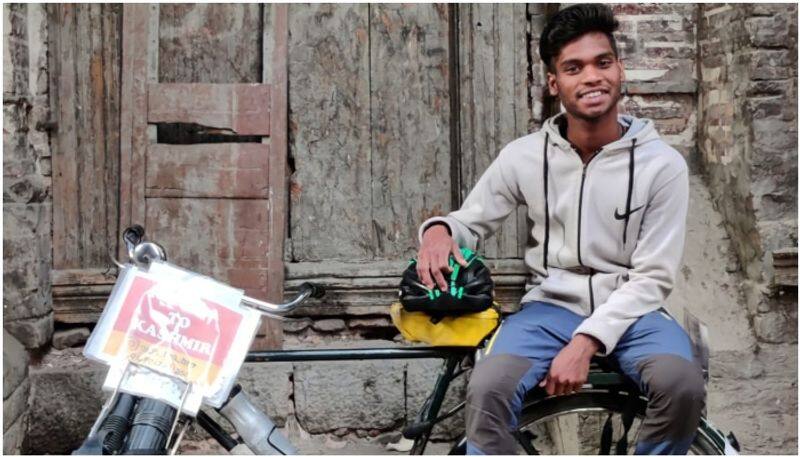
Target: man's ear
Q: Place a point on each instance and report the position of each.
(621, 70)
(552, 86)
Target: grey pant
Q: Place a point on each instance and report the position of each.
(655, 352)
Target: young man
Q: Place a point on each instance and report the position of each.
(607, 202)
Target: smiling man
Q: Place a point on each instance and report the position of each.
(606, 205)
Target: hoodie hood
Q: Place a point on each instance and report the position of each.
(639, 130)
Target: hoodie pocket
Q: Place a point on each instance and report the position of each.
(566, 287)
(604, 284)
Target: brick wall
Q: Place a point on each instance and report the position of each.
(657, 46)
(747, 138)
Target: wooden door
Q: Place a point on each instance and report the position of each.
(84, 68)
(216, 201)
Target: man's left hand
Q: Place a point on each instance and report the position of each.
(570, 368)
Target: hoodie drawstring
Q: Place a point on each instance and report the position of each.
(630, 192)
(546, 208)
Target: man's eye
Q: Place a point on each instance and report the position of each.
(571, 69)
(605, 63)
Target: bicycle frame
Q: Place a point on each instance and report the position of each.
(428, 416)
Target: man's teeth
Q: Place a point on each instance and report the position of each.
(594, 94)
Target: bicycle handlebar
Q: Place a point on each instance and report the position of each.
(307, 289)
(140, 253)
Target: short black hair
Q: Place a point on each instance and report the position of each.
(573, 22)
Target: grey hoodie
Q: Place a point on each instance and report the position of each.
(606, 238)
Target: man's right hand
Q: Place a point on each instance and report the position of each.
(434, 256)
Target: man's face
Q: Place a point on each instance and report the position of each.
(588, 77)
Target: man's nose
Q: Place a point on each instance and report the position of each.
(591, 75)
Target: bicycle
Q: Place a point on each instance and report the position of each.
(131, 424)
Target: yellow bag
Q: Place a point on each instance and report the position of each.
(465, 330)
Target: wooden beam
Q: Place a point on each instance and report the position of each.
(66, 207)
(276, 70)
(224, 170)
(79, 295)
(133, 121)
(240, 109)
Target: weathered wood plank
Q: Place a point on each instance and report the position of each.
(226, 170)
(276, 73)
(241, 108)
(79, 305)
(133, 118)
(65, 170)
(86, 46)
(81, 276)
(210, 43)
(225, 239)
(410, 122)
(85, 154)
(79, 295)
(330, 188)
(494, 101)
(112, 77)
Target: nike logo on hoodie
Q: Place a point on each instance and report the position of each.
(620, 217)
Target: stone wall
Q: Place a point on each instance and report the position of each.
(27, 304)
(27, 300)
(747, 138)
(16, 385)
(747, 148)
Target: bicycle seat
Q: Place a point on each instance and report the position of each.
(606, 373)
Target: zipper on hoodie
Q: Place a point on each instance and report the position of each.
(580, 216)
(591, 289)
(580, 200)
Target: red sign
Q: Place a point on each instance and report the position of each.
(187, 337)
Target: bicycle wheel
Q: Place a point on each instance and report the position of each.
(574, 424)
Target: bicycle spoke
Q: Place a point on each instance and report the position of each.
(575, 425)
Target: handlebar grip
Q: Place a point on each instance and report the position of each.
(317, 290)
(134, 234)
